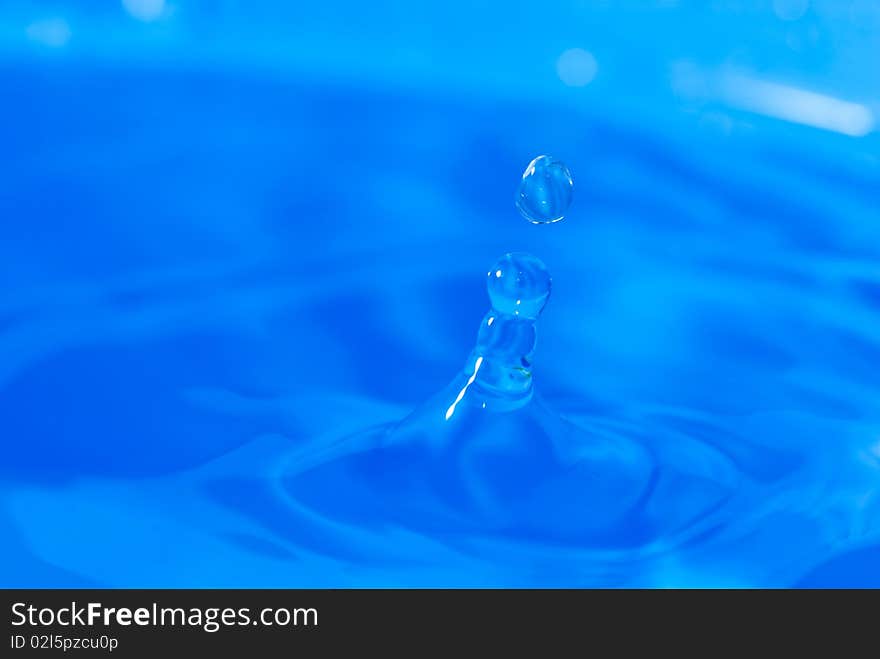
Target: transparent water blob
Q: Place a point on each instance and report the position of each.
(519, 285)
(545, 191)
(485, 455)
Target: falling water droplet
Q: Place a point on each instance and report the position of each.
(545, 191)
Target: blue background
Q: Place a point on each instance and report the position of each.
(233, 232)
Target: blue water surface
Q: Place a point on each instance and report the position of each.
(244, 251)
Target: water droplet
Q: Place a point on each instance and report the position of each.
(545, 191)
(519, 285)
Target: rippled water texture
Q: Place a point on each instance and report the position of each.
(225, 298)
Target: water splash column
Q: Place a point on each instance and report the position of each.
(499, 366)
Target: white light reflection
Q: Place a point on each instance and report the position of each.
(772, 99)
(52, 32)
(144, 10)
(576, 67)
(797, 105)
(461, 393)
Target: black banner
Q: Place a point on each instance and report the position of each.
(283, 622)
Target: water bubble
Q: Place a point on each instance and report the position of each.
(545, 191)
(52, 32)
(145, 10)
(576, 67)
(519, 285)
